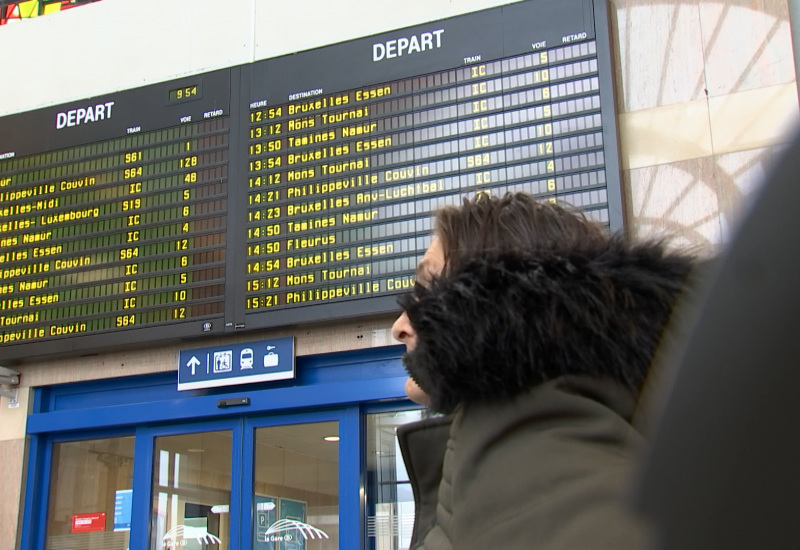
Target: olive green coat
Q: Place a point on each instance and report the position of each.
(548, 470)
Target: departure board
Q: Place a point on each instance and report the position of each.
(113, 217)
(295, 189)
(345, 171)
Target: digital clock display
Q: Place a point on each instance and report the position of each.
(313, 197)
(184, 93)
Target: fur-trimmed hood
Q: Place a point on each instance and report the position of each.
(504, 324)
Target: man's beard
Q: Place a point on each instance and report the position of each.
(420, 367)
(414, 363)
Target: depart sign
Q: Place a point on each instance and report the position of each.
(232, 364)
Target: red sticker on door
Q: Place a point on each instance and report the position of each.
(84, 523)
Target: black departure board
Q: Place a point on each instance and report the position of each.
(113, 218)
(294, 189)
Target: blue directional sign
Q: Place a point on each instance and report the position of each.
(231, 364)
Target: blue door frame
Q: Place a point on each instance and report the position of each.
(328, 387)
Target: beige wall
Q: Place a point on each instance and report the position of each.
(706, 91)
(706, 96)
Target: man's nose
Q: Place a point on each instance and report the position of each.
(402, 329)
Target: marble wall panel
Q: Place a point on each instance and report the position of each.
(754, 118)
(747, 44)
(659, 53)
(700, 201)
(12, 456)
(666, 134)
(13, 419)
(740, 176)
(679, 200)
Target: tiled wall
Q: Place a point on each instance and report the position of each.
(707, 94)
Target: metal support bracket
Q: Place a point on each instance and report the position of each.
(11, 394)
(10, 378)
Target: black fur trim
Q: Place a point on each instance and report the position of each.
(504, 324)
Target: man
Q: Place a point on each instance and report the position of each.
(532, 329)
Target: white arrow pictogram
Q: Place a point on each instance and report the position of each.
(193, 362)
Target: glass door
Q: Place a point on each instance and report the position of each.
(281, 482)
(191, 491)
(254, 484)
(90, 491)
(296, 487)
